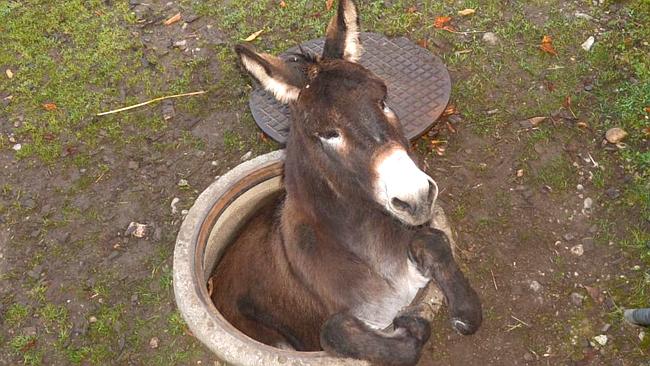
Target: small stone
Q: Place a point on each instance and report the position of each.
(246, 156)
(584, 16)
(577, 299)
(175, 201)
(586, 45)
(580, 187)
(133, 165)
(182, 44)
(569, 236)
(183, 183)
(578, 250)
(185, 212)
(601, 339)
(455, 119)
(17, 147)
(535, 286)
(153, 343)
(588, 203)
(214, 163)
(641, 336)
(589, 87)
(613, 193)
(92, 319)
(136, 229)
(615, 135)
(528, 357)
(490, 38)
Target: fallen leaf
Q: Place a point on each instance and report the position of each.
(29, 345)
(547, 45)
(173, 19)
(451, 128)
(253, 36)
(411, 10)
(647, 109)
(567, 102)
(424, 43)
(9, 73)
(328, 4)
(646, 131)
(283, 4)
(441, 22)
(536, 120)
(582, 124)
(451, 109)
(466, 12)
(440, 150)
(50, 106)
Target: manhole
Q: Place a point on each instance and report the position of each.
(418, 85)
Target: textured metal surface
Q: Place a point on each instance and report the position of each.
(418, 85)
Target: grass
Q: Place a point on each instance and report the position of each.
(83, 57)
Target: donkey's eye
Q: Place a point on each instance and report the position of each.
(331, 134)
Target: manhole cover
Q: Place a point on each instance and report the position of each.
(418, 85)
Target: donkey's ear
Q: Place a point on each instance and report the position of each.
(271, 72)
(342, 36)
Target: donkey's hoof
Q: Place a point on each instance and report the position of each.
(416, 326)
(463, 327)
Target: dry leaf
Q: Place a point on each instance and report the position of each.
(466, 12)
(283, 4)
(647, 109)
(424, 43)
(9, 73)
(328, 4)
(536, 120)
(451, 128)
(173, 19)
(441, 22)
(547, 45)
(582, 124)
(50, 106)
(646, 131)
(595, 294)
(451, 109)
(253, 36)
(567, 102)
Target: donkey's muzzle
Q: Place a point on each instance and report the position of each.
(415, 207)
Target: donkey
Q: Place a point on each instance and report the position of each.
(337, 263)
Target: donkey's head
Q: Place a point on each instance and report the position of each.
(341, 123)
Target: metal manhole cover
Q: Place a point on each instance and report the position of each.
(418, 85)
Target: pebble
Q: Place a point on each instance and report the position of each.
(613, 193)
(588, 203)
(136, 229)
(569, 236)
(577, 299)
(455, 118)
(17, 147)
(175, 201)
(578, 250)
(589, 87)
(490, 38)
(182, 44)
(246, 156)
(605, 328)
(214, 163)
(535, 286)
(586, 45)
(92, 319)
(183, 183)
(583, 16)
(615, 135)
(153, 343)
(601, 339)
(580, 187)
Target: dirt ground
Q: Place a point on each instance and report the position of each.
(552, 226)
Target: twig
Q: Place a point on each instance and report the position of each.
(519, 320)
(462, 32)
(151, 101)
(494, 281)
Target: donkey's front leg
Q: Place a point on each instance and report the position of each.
(345, 335)
(431, 252)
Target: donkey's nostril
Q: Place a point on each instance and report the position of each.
(402, 205)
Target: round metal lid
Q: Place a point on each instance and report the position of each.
(418, 85)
